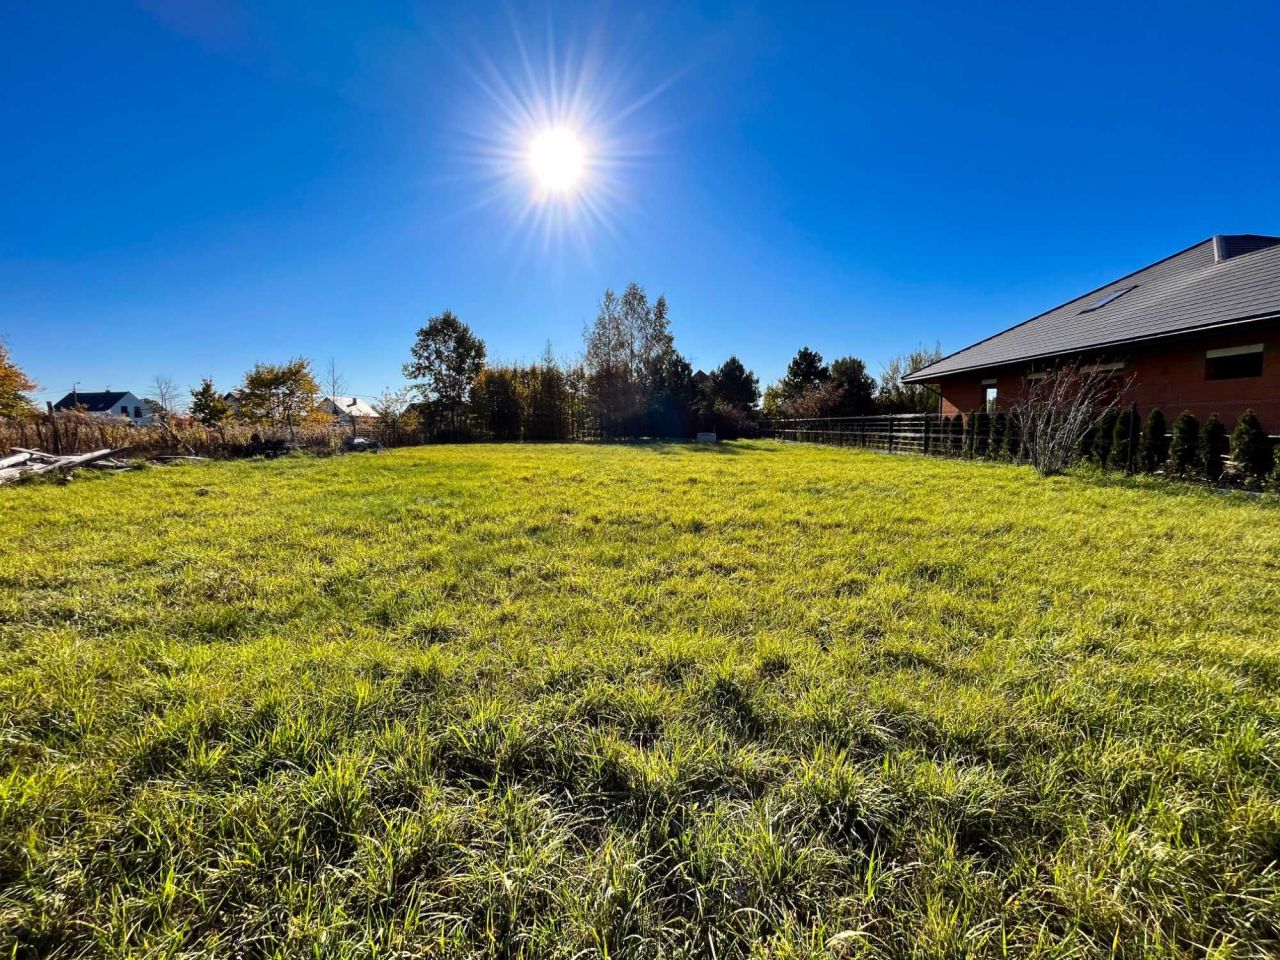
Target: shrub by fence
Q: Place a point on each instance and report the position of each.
(1120, 442)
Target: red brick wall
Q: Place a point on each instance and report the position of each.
(1169, 375)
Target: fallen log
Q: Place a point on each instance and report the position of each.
(39, 463)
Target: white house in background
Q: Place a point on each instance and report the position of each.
(343, 409)
(108, 403)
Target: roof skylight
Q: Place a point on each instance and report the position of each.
(1108, 297)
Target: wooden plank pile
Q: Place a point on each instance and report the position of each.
(22, 463)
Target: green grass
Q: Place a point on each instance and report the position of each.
(637, 701)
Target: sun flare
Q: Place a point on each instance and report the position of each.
(557, 159)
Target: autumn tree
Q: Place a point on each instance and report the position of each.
(397, 420)
(14, 386)
(279, 394)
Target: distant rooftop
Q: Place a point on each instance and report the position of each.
(102, 401)
(1225, 279)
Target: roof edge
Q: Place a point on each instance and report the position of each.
(1087, 293)
(921, 375)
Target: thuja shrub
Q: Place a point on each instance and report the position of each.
(996, 434)
(1184, 445)
(970, 437)
(1124, 440)
(957, 433)
(981, 433)
(1104, 435)
(1251, 449)
(1013, 437)
(1087, 439)
(1213, 448)
(1153, 451)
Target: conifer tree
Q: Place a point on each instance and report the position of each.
(1013, 437)
(981, 433)
(1124, 440)
(996, 435)
(1103, 438)
(1213, 448)
(1184, 445)
(207, 404)
(1251, 449)
(1154, 448)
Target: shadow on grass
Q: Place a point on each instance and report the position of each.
(724, 448)
(1169, 486)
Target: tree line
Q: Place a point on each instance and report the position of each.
(629, 380)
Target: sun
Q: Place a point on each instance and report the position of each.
(557, 159)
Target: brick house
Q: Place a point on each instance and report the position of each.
(1198, 331)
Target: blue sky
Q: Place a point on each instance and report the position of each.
(190, 187)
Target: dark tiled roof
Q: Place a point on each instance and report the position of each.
(1220, 280)
(100, 402)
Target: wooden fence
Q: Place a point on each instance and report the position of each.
(893, 433)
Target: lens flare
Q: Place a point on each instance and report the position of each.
(560, 142)
(557, 159)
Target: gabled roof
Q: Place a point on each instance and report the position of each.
(352, 406)
(103, 401)
(1222, 280)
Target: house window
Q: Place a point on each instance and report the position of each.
(137, 413)
(989, 393)
(124, 411)
(1232, 363)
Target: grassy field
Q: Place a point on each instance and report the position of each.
(637, 701)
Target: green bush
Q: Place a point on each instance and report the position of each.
(1184, 445)
(1124, 440)
(1154, 449)
(1103, 437)
(1087, 439)
(957, 433)
(970, 439)
(1251, 449)
(1013, 437)
(1214, 447)
(981, 433)
(999, 427)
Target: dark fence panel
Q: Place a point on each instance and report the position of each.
(920, 433)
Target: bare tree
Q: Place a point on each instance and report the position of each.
(165, 398)
(1058, 407)
(334, 382)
